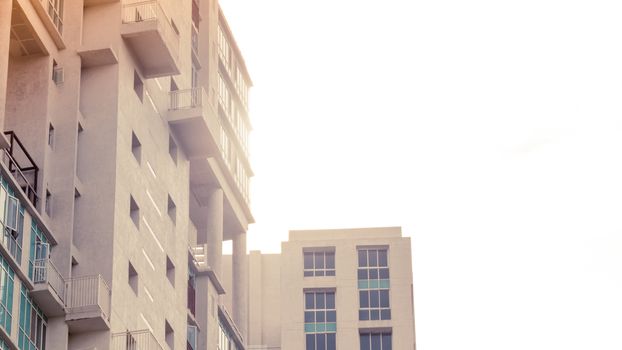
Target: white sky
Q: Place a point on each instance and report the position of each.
(490, 130)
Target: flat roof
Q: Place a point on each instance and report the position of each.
(345, 233)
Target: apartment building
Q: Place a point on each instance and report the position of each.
(332, 289)
(124, 167)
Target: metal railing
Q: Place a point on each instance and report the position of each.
(16, 157)
(86, 293)
(188, 98)
(199, 256)
(135, 340)
(46, 272)
(12, 245)
(152, 11)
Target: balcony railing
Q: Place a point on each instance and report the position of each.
(199, 256)
(188, 98)
(87, 293)
(22, 166)
(152, 11)
(136, 340)
(46, 272)
(9, 241)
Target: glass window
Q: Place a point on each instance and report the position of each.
(32, 324)
(375, 341)
(7, 276)
(321, 263)
(373, 284)
(320, 320)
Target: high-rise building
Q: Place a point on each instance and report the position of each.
(333, 289)
(124, 167)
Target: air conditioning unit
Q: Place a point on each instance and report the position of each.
(58, 76)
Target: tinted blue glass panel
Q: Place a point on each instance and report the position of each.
(320, 341)
(320, 316)
(362, 274)
(331, 327)
(382, 258)
(365, 341)
(330, 260)
(364, 298)
(363, 315)
(310, 341)
(308, 257)
(330, 300)
(374, 314)
(375, 341)
(331, 316)
(373, 274)
(319, 301)
(373, 258)
(384, 273)
(331, 341)
(374, 299)
(387, 342)
(319, 260)
(385, 314)
(309, 317)
(362, 258)
(309, 300)
(384, 298)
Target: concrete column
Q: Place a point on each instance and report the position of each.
(240, 284)
(214, 230)
(5, 34)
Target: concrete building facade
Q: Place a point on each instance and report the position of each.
(124, 168)
(333, 289)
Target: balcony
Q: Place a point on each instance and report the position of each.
(199, 257)
(22, 167)
(50, 288)
(88, 304)
(193, 120)
(135, 340)
(151, 36)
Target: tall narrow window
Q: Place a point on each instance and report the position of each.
(138, 86)
(320, 319)
(172, 210)
(32, 323)
(170, 271)
(134, 212)
(373, 284)
(51, 135)
(48, 202)
(132, 278)
(169, 335)
(319, 263)
(136, 147)
(172, 149)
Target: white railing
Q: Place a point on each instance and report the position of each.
(46, 272)
(135, 340)
(188, 98)
(199, 256)
(86, 293)
(152, 11)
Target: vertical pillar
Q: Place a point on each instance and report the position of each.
(214, 230)
(240, 284)
(6, 7)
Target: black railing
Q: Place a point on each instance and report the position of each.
(22, 166)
